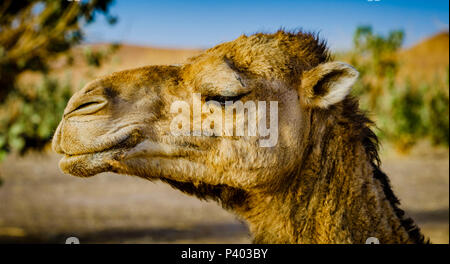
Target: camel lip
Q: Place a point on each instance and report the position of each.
(88, 164)
(124, 141)
(84, 165)
(114, 146)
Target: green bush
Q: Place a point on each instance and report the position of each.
(437, 113)
(418, 113)
(406, 116)
(35, 32)
(28, 120)
(405, 112)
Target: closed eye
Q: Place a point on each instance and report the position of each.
(222, 99)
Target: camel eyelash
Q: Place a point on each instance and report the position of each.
(222, 99)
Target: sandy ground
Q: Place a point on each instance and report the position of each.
(40, 204)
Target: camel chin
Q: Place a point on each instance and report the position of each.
(87, 165)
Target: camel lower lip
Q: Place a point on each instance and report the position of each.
(91, 163)
(87, 165)
(70, 163)
(70, 159)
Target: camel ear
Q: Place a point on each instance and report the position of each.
(327, 84)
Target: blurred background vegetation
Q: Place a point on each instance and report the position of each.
(44, 59)
(408, 105)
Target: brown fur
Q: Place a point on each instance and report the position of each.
(321, 183)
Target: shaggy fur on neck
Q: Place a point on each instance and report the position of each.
(239, 200)
(371, 145)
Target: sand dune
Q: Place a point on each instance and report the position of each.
(426, 60)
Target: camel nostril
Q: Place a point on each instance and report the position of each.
(85, 108)
(84, 105)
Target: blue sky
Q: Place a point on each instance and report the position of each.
(202, 24)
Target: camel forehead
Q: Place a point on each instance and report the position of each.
(281, 55)
(281, 45)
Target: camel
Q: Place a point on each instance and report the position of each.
(320, 183)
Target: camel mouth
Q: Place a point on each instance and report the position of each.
(90, 163)
(128, 140)
(131, 148)
(87, 165)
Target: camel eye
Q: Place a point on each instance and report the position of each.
(222, 99)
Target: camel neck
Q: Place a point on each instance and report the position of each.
(338, 196)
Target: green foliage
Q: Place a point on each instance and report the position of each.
(374, 55)
(367, 42)
(437, 113)
(33, 32)
(419, 113)
(407, 118)
(29, 120)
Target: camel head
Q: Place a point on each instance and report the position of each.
(155, 122)
(262, 124)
